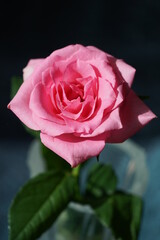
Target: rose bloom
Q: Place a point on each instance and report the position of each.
(80, 98)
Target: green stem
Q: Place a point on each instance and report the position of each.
(75, 171)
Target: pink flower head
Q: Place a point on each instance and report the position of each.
(80, 98)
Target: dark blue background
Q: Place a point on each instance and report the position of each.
(125, 29)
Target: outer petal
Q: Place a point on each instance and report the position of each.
(126, 70)
(109, 123)
(51, 128)
(73, 149)
(67, 51)
(106, 71)
(28, 70)
(98, 51)
(60, 59)
(78, 51)
(134, 114)
(20, 105)
(71, 53)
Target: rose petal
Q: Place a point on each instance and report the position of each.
(51, 128)
(73, 149)
(90, 87)
(89, 125)
(99, 53)
(47, 79)
(107, 94)
(64, 56)
(40, 68)
(41, 105)
(126, 70)
(71, 53)
(134, 114)
(122, 91)
(108, 123)
(88, 108)
(71, 73)
(20, 105)
(106, 72)
(68, 51)
(85, 69)
(73, 110)
(28, 70)
(53, 94)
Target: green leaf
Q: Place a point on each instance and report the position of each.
(16, 82)
(39, 203)
(122, 214)
(33, 133)
(101, 180)
(54, 161)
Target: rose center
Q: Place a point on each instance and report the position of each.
(74, 91)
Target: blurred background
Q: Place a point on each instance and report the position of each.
(33, 29)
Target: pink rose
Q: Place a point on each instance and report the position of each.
(80, 98)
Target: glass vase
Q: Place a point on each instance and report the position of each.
(78, 222)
